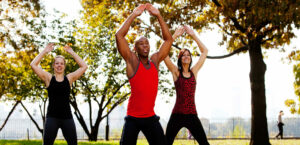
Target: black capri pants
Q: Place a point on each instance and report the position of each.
(53, 124)
(150, 127)
(189, 121)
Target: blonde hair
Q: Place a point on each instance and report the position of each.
(60, 56)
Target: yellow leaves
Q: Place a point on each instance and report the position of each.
(201, 18)
(33, 13)
(19, 98)
(69, 44)
(195, 53)
(285, 38)
(131, 38)
(2, 45)
(291, 104)
(224, 20)
(295, 107)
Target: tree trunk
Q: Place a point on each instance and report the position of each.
(80, 118)
(94, 134)
(9, 114)
(95, 128)
(77, 112)
(32, 119)
(259, 125)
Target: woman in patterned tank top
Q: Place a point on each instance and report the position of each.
(184, 113)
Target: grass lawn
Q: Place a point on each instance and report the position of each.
(144, 142)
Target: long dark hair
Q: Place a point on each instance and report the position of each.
(179, 63)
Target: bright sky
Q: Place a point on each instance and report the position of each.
(223, 86)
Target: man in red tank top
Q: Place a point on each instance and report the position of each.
(142, 73)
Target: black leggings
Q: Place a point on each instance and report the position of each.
(149, 126)
(191, 122)
(53, 124)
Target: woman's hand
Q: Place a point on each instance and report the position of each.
(189, 30)
(68, 49)
(178, 32)
(49, 47)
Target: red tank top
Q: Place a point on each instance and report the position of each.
(144, 86)
(185, 95)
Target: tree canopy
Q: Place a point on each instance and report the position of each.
(247, 26)
(291, 103)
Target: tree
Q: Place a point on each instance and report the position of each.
(291, 103)
(247, 26)
(19, 29)
(102, 84)
(25, 25)
(6, 81)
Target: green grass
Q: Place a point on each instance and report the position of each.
(57, 142)
(144, 142)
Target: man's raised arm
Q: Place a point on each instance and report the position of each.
(167, 36)
(122, 43)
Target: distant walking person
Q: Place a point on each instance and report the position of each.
(142, 73)
(184, 113)
(59, 86)
(280, 125)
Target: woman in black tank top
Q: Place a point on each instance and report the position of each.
(58, 87)
(184, 113)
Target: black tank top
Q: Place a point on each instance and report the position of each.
(58, 94)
